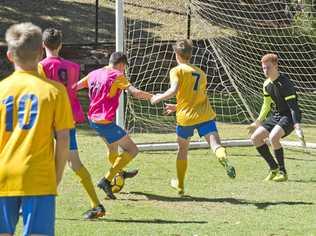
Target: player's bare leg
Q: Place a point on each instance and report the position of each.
(259, 136)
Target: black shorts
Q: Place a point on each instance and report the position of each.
(285, 122)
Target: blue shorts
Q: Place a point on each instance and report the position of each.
(73, 146)
(38, 214)
(203, 129)
(111, 132)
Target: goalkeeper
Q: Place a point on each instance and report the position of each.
(279, 91)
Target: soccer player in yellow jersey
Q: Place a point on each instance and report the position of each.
(32, 111)
(193, 111)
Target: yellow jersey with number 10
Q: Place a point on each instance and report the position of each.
(31, 109)
(193, 106)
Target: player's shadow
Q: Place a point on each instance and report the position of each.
(140, 221)
(303, 181)
(233, 201)
(264, 205)
(300, 159)
(155, 221)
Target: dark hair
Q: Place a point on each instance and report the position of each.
(52, 38)
(117, 58)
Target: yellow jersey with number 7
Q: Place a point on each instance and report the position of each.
(193, 106)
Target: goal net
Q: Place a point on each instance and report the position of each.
(229, 39)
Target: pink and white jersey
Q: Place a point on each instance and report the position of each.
(105, 87)
(67, 73)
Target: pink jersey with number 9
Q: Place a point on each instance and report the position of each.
(67, 73)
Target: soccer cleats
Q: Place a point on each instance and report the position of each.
(280, 177)
(105, 185)
(230, 170)
(129, 174)
(95, 213)
(174, 185)
(272, 174)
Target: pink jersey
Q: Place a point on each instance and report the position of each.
(68, 73)
(105, 88)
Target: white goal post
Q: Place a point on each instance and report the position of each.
(229, 38)
(119, 35)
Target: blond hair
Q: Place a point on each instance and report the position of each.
(270, 57)
(184, 49)
(24, 42)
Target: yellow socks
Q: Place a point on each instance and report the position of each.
(222, 159)
(112, 157)
(221, 153)
(181, 170)
(86, 182)
(120, 162)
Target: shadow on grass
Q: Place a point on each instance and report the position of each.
(298, 159)
(140, 221)
(233, 201)
(64, 16)
(304, 181)
(264, 205)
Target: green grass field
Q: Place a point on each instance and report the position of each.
(216, 205)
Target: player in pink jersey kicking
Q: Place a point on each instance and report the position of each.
(67, 72)
(105, 87)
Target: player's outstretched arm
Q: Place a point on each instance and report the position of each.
(81, 84)
(265, 109)
(139, 94)
(171, 92)
(61, 152)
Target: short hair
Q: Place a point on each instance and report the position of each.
(52, 38)
(24, 42)
(117, 58)
(183, 48)
(270, 57)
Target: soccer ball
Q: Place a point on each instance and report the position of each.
(117, 182)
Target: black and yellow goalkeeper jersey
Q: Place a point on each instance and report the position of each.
(282, 94)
